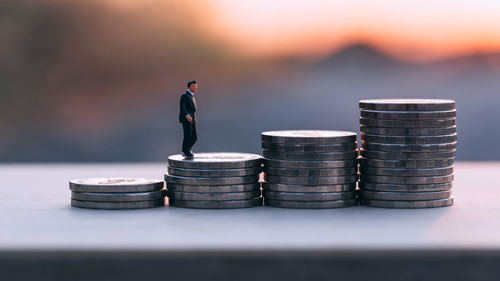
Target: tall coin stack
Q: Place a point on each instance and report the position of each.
(117, 193)
(309, 169)
(214, 181)
(408, 151)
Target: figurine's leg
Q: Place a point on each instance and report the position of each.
(186, 142)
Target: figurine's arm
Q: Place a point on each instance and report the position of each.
(184, 109)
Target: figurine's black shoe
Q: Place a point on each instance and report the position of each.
(187, 155)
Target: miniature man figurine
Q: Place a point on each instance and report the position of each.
(187, 118)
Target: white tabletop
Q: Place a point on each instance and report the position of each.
(35, 213)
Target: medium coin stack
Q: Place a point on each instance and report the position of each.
(117, 193)
(309, 169)
(214, 181)
(408, 151)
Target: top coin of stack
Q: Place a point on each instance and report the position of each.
(408, 151)
(117, 193)
(309, 168)
(214, 180)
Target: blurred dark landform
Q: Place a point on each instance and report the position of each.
(83, 81)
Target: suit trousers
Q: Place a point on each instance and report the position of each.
(190, 136)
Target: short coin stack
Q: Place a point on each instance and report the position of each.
(214, 180)
(117, 193)
(408, 151)
(310, 169)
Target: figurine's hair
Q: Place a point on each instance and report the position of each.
(192, 82)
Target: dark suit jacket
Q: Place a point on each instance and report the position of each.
(187, 106)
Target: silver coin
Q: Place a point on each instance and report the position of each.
(308, 196)
(407, 164)
(409, 139)
(115, 184)
(216, 160)
(407, 155)
(117, 205)
(408, 204)
(213, 188)
(214, 172)
(309, 147)
(408, 131)
(405, 187)
(408, 115)
(211, 181)
(309, 137)
(308, 188)
(226, 204)
(119, 197)
(310, 204)
(311, 180)
(310, 155)
(406, 180)
(391, 123)
(192, 196)
(406, 172)
(407, 104)
(310, 172)
(410, 147)
(404, 196)
(314, 164)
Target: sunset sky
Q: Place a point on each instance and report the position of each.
(415, 30)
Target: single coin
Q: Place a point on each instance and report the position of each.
(407, 204)
(310, 204)
(192, 196)
(213, 188)
(406, 180)
(214, 172)
(309, 147)
(314, 164)
(225, 204)
(407, 155)
(115, 184)
(408, 131)
(446, 147)
(405, 196)
(117, 205)
(405, 187)
(407, 104)
(312, 180)
(310, 172)
(310, 155)
(308, 196)
(211, 181)
(216, 160)
(119, 197)
(366, 170)
(406, 164)
(389, 123)
(408, 115)
(308, 137)
(308, 188)
(409, 139)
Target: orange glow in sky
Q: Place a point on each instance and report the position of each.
(415, 30)
(419, 30)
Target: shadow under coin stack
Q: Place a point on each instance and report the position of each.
(408, 151)
(309, 169)
(214, 181)
(117, 193)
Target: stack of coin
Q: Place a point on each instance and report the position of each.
(117, 193)
(408, 151)
(214, 181)
(309, 169)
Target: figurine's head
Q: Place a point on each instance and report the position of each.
(193, 86)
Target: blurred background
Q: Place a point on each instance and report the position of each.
(100, 80)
